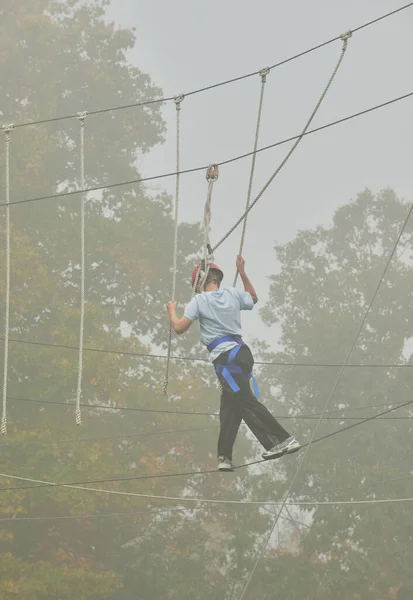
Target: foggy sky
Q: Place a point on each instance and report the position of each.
(185, 45)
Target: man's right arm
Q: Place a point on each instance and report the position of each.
(248, 287)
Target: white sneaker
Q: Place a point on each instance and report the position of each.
(288, 446)
(224, 464)
(274, 452)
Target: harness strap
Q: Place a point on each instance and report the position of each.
(230, 368)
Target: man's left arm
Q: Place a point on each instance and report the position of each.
(179, 324)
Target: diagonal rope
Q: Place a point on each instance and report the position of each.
(7, 130)
(263, 74)
(81, 116)
(178, 99)
(228, 161)
(337, 381)
(345, 37)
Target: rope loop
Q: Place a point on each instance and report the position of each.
(8, 128)
(82, 115)
(346, 35)
(212, 173)
(263, 74)
(178, 99)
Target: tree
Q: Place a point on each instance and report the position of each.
(327, 278)
(68, 59)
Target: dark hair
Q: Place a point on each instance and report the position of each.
(214, 276)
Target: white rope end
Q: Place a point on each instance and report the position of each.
(3, 426)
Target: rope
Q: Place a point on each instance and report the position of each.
(81, 116)
(209, 414)
(221, 83)
(196, 500)
(211, 176)
(208, 471)
(353, 345)
(345, 37)
(205, 360)
(263, 74)
(7, 130)
(225, 162)
(178, 99)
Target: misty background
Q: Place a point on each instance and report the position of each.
(185, 46)
(140, 511)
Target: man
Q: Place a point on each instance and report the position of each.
(219, 313)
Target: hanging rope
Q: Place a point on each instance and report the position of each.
(345, 37)
(263, 74)
(211, 176)
(7, 130)
(178, 99)
(81, 117)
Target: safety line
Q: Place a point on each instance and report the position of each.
(191, 429)
(345, 38)
(225, 162)
(206, 360)
(192, 473)
(220, 84)
(203, 414)
(205, 500)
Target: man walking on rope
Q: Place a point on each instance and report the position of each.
(219, 313)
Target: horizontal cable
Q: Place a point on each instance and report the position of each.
(195, 169)
(211, 500)
(205, 360)
(215, 85)
(204, 414)
(192, 473)
(191, 429)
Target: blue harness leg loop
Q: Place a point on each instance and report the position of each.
(230, 368)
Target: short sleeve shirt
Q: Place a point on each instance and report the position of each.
(219, 314)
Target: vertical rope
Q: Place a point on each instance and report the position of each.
(7, 130)
(81, 117)
(178, 99)
(211, 176)
(345, 37)
(263, 74)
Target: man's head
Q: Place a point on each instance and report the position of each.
(214, 277)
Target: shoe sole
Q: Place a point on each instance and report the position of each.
(272, 457)
(292, 450)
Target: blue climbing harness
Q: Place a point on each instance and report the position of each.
(231, 368)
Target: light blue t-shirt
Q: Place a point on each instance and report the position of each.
(219, 314)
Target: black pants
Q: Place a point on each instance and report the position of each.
(236, 406)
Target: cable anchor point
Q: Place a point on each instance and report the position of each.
(346, 35)
(263, 74)
(178, 99)
(212, 173)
